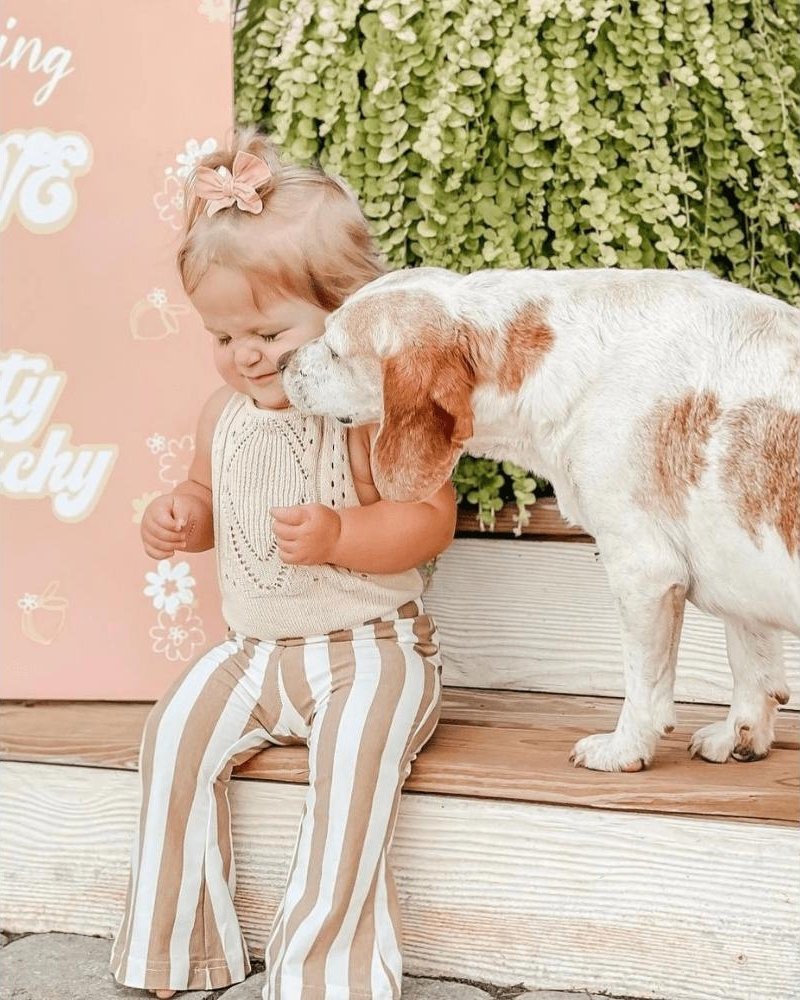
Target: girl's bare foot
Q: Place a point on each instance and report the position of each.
(163, 994)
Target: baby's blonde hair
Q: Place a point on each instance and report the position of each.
(310, 241)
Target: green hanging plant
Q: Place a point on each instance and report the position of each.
(565, 133)
(525, 487)
(488, 486)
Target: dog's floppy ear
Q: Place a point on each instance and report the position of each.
(427, 417)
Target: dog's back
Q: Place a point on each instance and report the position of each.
(697, 400)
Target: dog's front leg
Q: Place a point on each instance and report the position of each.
(755, 653)
(650, 598)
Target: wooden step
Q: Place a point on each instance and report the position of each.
(489, 744)
(511, 866)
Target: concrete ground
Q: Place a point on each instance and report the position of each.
(73, 967)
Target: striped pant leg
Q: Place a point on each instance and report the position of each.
(378, 694)
(179, 929)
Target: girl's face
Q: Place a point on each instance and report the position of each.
(249, 337)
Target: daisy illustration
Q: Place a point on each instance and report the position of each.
(169, 202)
(192, 153)
(28, 602)
(177, 636)
(156, 443)
(176, 459)
(170, 586)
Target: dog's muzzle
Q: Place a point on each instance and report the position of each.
(283, 361)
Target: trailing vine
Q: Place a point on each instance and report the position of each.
(547, 133)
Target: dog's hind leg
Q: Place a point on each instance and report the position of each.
(650, 597)
(755, 654)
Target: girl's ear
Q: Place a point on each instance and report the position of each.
(427, 417)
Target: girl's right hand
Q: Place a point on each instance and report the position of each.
(167, 522)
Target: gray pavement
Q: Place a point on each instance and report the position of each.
(72, 967)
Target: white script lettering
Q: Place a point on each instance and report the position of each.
(54, 62)
(73, 477)
(37, 177)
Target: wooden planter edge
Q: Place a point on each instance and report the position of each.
(545, 525)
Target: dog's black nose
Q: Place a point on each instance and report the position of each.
(284, 360)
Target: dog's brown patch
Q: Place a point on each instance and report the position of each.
(430, 370)
(678, 433)
(528, 339)
(761, 470)
(427, 417)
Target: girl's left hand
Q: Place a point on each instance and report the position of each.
(307, 534)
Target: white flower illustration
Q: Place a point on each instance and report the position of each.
(176, 459)
(156, 443)
(215, 10)
(157, 298)
(178, 636)
(169, 201)
(170, 587)
(187, 160)
(28, 602)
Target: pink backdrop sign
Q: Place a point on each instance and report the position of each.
(103, 367)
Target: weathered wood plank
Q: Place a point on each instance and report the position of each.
(107, 733)
(515, 764)
(545, 524)
(529, 709)
(488, 745)
(563, 899)
(541, 618)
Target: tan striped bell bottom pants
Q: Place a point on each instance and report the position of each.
(365, 701)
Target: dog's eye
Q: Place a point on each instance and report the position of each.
(334, 355)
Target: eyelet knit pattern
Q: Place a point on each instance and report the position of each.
(278, 458)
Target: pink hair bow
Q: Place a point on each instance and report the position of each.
(221, 188)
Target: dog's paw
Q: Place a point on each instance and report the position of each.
(720, 741)
(606, 752)
(713, 743)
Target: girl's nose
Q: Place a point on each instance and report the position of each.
(247, 355)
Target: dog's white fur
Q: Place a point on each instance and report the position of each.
(650, 400)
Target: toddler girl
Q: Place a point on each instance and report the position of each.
(328, 643)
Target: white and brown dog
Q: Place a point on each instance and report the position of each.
(663, 406)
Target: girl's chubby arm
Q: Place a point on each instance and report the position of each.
(380, 536)
(183, 520)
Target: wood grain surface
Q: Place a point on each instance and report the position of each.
(607, 902)
(489, 744)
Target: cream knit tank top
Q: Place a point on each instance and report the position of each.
(277, 458)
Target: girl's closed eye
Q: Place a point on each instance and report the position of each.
(222, 341)
(269, 337)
